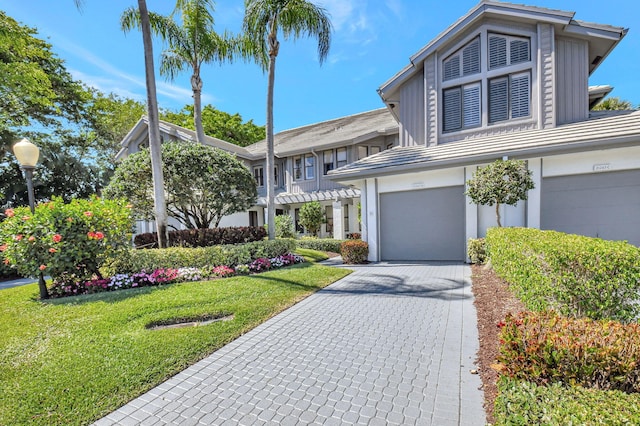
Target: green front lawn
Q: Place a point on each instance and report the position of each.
(73, 360)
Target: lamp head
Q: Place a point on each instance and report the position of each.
(26, 153)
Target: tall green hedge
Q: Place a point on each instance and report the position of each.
(320, 244)
(574, 275)
(176, 257)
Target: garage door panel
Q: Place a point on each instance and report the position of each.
(605, 205)
(422, 225)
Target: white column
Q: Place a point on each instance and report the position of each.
(353, 215)
(338, 218)
(371, 213)
(534, 196)
(471, 211)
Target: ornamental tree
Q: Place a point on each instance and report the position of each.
(311, 217)
(202, 184)
(501, 182)
(66, 241)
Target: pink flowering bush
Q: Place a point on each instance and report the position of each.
(223, 271)
(68, 241)
(260, 265)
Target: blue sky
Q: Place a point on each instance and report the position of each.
(372, 40)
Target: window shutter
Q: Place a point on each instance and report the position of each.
(497, 51)
(471, 109)
(452, 109)
(518, 51)
(471, 58)
(520, 94)
(498, 99)
(451, 68)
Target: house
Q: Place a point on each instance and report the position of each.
(303, 158)
(503, 81)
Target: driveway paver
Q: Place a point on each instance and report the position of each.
(392, 343)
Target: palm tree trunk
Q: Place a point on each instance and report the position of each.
(271, 230)
(196, 86)
(159, 202)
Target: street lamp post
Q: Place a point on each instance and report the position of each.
(27, 155)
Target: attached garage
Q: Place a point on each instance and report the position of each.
(426, 224)
(604, 205)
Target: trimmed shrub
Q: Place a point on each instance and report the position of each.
(284, 226)
(354, 236)
(320, 244)
(523, 403)
(354, 251)
(546, 348)
(204, 237)
(477, 250)
(574, 275)
(135, 261)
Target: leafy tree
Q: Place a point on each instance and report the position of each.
(203, 184)
(262, 21)
(501, 182)
(311, 217)
(219, 124)
(613, 104)
(160, 204)
(191, 44)
(35, 87)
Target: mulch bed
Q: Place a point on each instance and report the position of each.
(493, 300)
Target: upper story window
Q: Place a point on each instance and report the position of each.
(465, 61)
(365, 151)
(258, 175)
(478, 92)
(334, 158)
(304, 167)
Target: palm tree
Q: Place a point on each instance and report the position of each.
(159, 202)
(190, 45)
(262, 21)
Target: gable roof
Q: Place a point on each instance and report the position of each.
(178, 132)
(602, 130)
(603, 38)
(342, 131)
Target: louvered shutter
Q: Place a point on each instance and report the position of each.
(498, 99)
(471, 58)
(520, 95)
(471, 108)
(497, 51)
(451, 68)
(452, 109)
(518, 51)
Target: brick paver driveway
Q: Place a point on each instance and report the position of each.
(391, 343)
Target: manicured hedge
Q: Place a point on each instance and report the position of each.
(354, 251)
(180, 257)
(523, 403)
(204, 237)
(320, 244)
(546, 348)
(574, 275)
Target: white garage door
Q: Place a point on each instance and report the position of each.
(604, 205)
(423, 225)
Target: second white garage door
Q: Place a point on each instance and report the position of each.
(424, 224)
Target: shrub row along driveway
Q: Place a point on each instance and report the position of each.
(389, 344)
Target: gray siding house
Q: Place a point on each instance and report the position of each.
(503, 81)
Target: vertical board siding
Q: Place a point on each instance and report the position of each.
(412, 111)
(573, 80)
(431, 101)
(546, 75)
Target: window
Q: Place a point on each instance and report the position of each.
(341, 157)
(275, 176)
(465, 61)
(462, 107)
(309, 166)
(365, 151)
(327, 159)
(507, 50)
(328, 213)
(258, 175)
(296, 220)
(253, 218)
(297, 168)
(509, 97)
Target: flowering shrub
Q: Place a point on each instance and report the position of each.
(67, 286)
(223, 271)
(70, 241)
(354, 251)
(261, 264)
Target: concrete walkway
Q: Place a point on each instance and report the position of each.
(392, 343)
